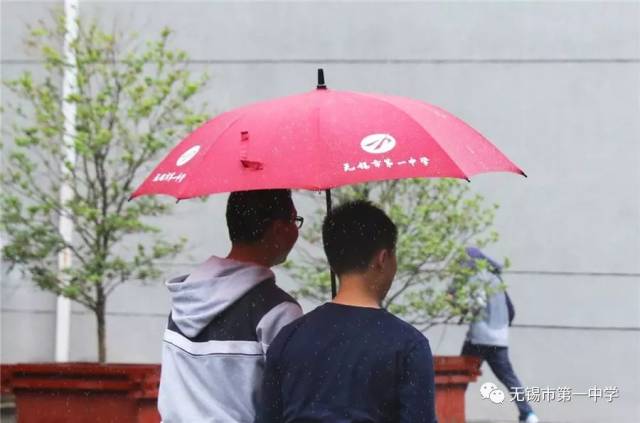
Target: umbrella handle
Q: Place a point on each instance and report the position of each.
(333, 275)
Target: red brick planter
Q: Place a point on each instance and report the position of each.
(91, 392)
(83, 392)
(453, 374)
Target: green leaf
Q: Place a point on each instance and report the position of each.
(129, 108)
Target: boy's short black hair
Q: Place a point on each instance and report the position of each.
(353, 233)
(250, 213)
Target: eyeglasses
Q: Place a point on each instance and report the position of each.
(299, 220)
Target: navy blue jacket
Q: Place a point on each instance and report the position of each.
(345, 364)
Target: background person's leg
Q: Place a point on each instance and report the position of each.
(498, 359)
(472, 350)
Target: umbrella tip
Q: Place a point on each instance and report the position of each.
(321, 84)
(523, 174)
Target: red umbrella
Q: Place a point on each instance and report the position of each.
(321, 140)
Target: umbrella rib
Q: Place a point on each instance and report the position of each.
(464, 174)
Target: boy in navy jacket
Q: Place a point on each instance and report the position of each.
(350, 360)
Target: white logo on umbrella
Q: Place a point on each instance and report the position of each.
(187, 155)
(378, 143)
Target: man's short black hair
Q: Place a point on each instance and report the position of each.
(353, 233)
(250, 213)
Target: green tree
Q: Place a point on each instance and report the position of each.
(436, 219)
(132, 100)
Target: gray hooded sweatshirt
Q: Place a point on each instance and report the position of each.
(492, 325)
(223, 317)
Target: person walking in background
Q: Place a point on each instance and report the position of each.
(488, 336)
(350, 360)
(226, 312)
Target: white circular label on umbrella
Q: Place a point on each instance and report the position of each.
(188, 155)
(378, 143)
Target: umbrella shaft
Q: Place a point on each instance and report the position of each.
(333, 275)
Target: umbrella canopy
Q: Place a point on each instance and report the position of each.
(321, 140)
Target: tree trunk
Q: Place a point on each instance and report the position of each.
(101, 322)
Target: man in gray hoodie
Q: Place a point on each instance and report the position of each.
(226, 312)
(488, 335)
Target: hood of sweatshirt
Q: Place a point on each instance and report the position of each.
(211, 288)
(476, 254)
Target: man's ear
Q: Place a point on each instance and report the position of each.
(278, 226)
(271, 230)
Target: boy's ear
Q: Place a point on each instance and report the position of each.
(380, 258)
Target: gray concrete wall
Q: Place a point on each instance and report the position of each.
(554, 85)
